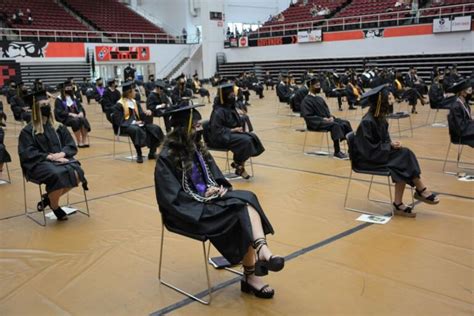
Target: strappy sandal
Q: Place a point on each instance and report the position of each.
(61, 215)
(428, 200)
(240, 171)
(405, 212)
(248, 288)
(275, 263)
(41, 206)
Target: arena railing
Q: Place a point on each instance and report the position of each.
(25, 34)
(393, 18)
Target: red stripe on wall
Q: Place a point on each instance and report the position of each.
(65, 50)
(408, 30)
(343, 36)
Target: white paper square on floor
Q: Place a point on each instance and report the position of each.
(466, 178)
(68, 210)
(3, 182)
(374, 219)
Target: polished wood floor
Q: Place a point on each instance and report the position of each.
(107, 264)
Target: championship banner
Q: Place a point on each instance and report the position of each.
(441, 25)
(41, 49)
(122, 53)
(461, 23)
(310, 36)
(9, 71)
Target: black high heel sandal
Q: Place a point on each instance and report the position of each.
(61, 215)
(428, 200)
(247, 288)
(240, 171)
(41, 206)
(275, 263)
(405, 212)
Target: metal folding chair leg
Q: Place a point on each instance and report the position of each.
(177, 289)
(321, 152)
(9, 178)
(27, 213)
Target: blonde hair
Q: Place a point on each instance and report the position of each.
(37, 119)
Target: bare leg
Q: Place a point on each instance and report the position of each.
(77, 134)
(84, 134)
(54, 198)
(399, 190)
(257, 231)
(1, 167)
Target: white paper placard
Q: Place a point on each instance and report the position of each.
(374, 219)
(68, 210)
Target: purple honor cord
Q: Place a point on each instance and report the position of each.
(198, 178)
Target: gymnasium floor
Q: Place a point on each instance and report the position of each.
(107, 264)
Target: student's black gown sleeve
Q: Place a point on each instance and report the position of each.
(461, 126)
(33, 150)
(373, 151)
(224, 221)
(4, 155)
(242, 145)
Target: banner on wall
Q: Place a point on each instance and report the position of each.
(310, 36)
(9, 71)
(373, 33)
(41, 49)
(441, 25)
(461, 23)
(122, 53)
(233, 42)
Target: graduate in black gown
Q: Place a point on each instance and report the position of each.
(69, 111)
(331, 90)
(226, 131)
(3, 116)
(47, 151)
(300, 94)
(374, 150)
(284, 90)
(150, 85)
(158, 102)
(461, 124)
(21, 109)
(99, 90)
(180, 94)
(318, 117)
(136, 123)
(268, 80)
(436, 93)
(198, 89)
(415, 89)
(110, 97)
(194, 197)
(4, 155)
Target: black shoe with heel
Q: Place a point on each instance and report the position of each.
(41, 206)
(61, 215)
(275, 263)
(248, 288)
(406, 212)
(431, 199)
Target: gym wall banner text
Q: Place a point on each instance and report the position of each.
(41, 49)
(9, 71)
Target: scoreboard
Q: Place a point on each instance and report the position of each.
(122, 53)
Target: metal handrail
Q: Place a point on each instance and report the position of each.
(348, 21)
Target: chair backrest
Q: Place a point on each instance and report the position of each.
(206, 127)
(350, 137)
(172, 228)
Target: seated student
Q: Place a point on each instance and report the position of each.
(241, 108)
(47, 151)
(21, 109)
(284, 90)
(375, 150)
(11, 92)
(87, 89)
(353, 93)
(215, 79)
(158, 102)
(461, 124)
(181, 94)
(138, 124)
(109, 99)
(436, 93)
(268, 80)
(194, 196)
(99, 91)
(331, 90)
(416, 89)
(318, 117)
(4, 155)
(254, 84)
(3, 116)
(300, 94)
(226, 131)
(150, 85)
(198, 89)
(69, 111)
(243, 84)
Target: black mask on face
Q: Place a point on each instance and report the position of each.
(317, 90)
(100, 84)
(231, 100)
(198, 136)
(468, 98)
(45, 110)
(69, 92)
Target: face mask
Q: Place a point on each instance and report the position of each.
(100, 84)
(318, 90)
(68, 92)
(198, 136)
(45, 110)
(231, 100)
(468, 98)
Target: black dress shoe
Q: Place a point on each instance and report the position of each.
(139, 159)
(60, 214)
(152, 156)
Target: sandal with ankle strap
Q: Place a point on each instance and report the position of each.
(240, 171)
(405, 212)
(275, 263)
(41, 206)
(248, 288)
(428, 200)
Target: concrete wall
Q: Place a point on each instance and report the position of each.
(408, 45)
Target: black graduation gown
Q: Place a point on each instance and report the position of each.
(155, 99)
(200, 90)
(61, 113)
(149, 135)
(242, 145)
(19, 113)
(437, 99)
(296, 101)
(177, 95)
(461, 125)
(268, 79)
(4, 155)
(224, 221)
(373, 151)
(283, 92)
(109, 99)
(314, 109)
(33, 150)
(3, 116)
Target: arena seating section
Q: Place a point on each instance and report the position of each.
(47, 15)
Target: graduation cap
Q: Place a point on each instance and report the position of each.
(67, 83)
(460, 86)
(31, 98)
(181, 76)
(284, 74)
(98, 79)
(184, 116)
(160, 84)
(224, 90)
(313, 80)
(127, 86)
(374, 96)
(110, 81)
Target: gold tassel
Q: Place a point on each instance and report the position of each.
(190, 123)
(379, 103)
(221, 98)
(34, 108)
